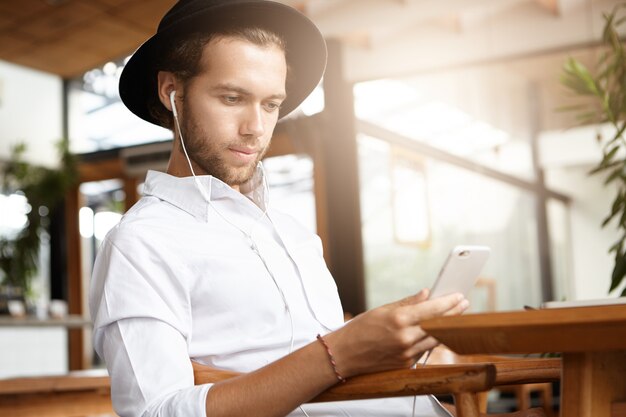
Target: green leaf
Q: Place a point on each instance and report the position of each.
(617, 205)
(604, 56)
(617, 246)
(619, 271)
(572, 107)
(579, 79)
(620, 21)
(620, 132)
(608, 218)
(602, 167)
(622, 219)
(608, 31)
(609, 155)
(588, 117)
(617, 173)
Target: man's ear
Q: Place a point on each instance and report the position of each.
(167, 83)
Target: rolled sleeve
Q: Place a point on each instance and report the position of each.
(150, 372)
(142, 325)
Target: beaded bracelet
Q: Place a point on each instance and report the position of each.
(331, 358)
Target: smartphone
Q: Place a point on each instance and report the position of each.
(460, 271)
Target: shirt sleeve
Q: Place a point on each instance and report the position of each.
(148, 377)
(141, 329)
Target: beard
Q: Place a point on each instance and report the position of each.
(207, 153)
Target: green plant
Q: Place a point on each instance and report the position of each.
(605, 88)
(43, 188)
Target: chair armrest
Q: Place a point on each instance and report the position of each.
(436, 379)
(527, 371)
(510, 370)
(440, 379)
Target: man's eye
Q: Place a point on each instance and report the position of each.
(230, 99)
(271, 106)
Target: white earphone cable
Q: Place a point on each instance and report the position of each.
(248, 235)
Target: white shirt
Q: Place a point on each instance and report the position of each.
(230, 284)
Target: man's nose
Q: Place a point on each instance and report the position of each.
(252, 124)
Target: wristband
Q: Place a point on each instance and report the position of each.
(331, 358)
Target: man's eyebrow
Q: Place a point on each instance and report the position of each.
(243, 91)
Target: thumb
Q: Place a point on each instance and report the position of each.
(415, 298)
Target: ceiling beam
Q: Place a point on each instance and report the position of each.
(525, 29)
(378, 15)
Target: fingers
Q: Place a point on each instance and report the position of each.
(423, 345)
(458, 309)
(450, 304)
(425, 342)
(415, 298)
(423, 294)
(390, 336)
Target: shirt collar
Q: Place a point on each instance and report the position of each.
(183, 192)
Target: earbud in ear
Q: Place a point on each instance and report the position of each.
(173, 102)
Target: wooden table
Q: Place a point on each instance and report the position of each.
(79, 393)
(71, 321)
(591, 339)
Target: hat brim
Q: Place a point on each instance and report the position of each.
(305, 50)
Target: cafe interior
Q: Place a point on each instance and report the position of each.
(438, 123)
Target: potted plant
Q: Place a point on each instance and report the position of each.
(43, 189)
(605, 89)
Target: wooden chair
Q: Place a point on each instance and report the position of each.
(467, 379)
(517, 374)
(88, 392)
(461, 381)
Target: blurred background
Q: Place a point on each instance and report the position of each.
(437, 123)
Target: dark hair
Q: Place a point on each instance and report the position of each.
(184, 55)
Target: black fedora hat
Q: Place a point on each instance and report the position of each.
(305, 46)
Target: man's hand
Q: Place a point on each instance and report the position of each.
(390, 336)
(384, 338)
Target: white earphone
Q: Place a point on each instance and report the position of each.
(173, 103)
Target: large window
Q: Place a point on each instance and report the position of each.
(470, 113)
(463, 208)
(97, 117)
(446, 159)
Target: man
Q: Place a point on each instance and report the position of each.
(202, 268)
